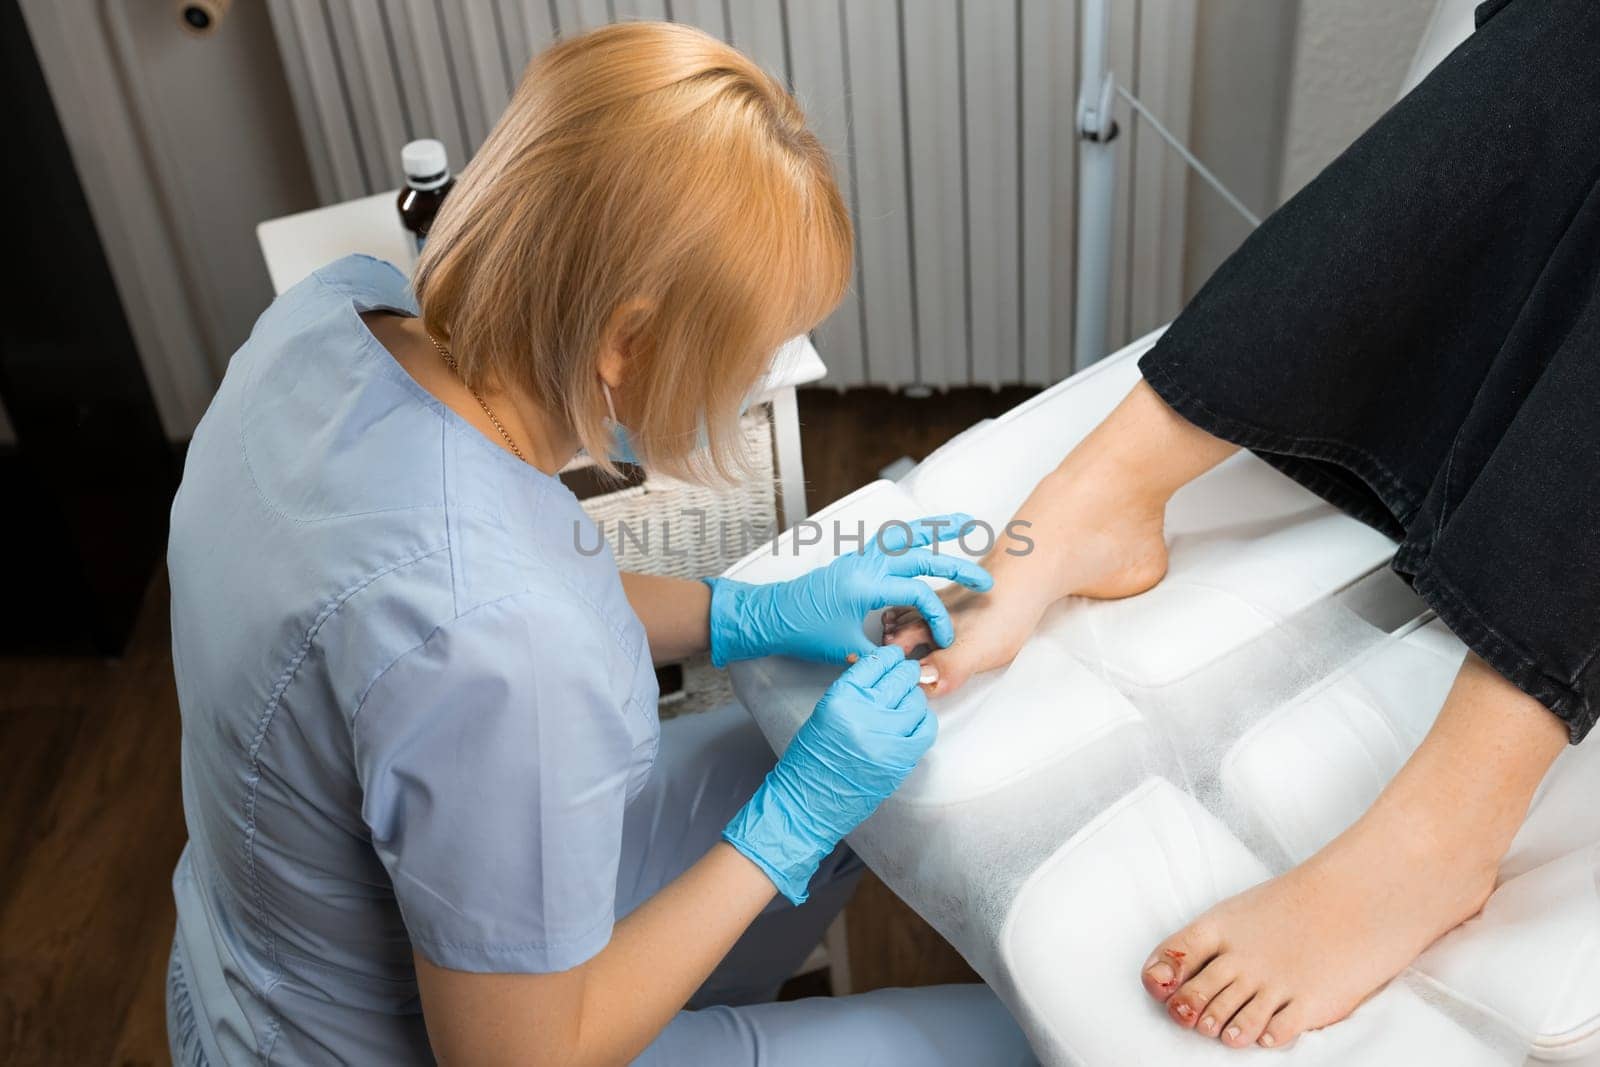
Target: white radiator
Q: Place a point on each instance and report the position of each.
(951, 122)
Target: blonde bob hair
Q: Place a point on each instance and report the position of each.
(649, 188)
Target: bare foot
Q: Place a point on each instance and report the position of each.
(1305, 949)
(1095, 525)
(1101, 541)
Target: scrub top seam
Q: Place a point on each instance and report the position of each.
(361, 302)
(263, 726)
(362, 298)
(445, 486)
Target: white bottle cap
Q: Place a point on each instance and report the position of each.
(425, 164)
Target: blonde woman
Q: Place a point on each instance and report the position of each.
(431, 811)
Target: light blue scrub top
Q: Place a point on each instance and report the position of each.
(413, 709)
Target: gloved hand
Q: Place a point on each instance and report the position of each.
(867, 733)
(818, 615)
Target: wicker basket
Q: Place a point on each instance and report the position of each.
(665, 526)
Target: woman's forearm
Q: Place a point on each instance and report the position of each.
(675, 613)
(605, 1011)
(665, 950)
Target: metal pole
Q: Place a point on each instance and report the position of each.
(1097, 186)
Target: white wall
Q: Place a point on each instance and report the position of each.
(182, 144)
(1243, 70)
(1281, 87)
(1350, 61)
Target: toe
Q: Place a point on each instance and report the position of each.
(1219, 1012)
(946, 670)
(1177, 959)
(908, 634)
(1187, 1006)
(1283, 1028)
(1249, 1022)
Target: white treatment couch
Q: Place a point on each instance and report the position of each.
(1144, 758)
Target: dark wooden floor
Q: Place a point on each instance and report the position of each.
(91, 822)
(90, 826)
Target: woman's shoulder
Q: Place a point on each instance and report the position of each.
(539, 546)
(477, 610)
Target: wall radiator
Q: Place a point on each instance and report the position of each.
(952, 123)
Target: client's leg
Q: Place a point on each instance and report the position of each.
(1304, 949)
(1095, 523)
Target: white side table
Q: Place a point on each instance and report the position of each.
(296, 245)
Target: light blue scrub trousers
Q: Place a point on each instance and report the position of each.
(708, 766)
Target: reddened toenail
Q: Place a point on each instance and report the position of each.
(1183, 1011)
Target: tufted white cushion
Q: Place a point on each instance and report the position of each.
(1530, 956)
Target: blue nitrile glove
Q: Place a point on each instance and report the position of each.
(818, 615)
(867, 733)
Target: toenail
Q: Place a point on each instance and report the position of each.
(1208, 1024)
(1267, 1041)
(1163, 974)
(1184, 1011)
(1232, 1033)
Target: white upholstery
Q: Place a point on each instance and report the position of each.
(1530, 956)
(1307, 771)
(1143, 758)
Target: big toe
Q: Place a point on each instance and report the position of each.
(947, 669)
(1177, 959)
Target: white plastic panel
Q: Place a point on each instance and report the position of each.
(838, 528)
(1084, 924)
(992, 468)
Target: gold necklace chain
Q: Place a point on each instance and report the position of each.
(450, 361)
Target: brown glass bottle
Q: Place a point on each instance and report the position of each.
(428, 182)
